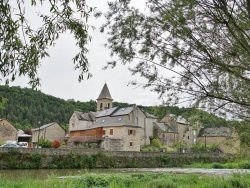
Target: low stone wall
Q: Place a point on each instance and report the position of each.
(22, 158)
(88, 151)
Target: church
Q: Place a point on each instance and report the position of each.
(112, 128)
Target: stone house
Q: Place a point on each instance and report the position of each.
(225, 138)
(181, 130)
(113, 128)
(7, 131)
(51, 131)
(165, 133)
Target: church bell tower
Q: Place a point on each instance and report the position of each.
(104, 101)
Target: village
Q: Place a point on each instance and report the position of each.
(124, 129)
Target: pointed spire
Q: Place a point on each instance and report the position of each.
(105, 94)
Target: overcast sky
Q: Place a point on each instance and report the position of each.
(59, 79)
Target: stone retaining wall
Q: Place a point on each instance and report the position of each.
(30, 158)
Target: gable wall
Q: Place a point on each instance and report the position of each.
(7, 131)
(76, 124)
(53, 132)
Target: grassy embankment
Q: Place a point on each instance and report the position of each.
(139, 180)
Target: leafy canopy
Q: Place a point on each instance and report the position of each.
(195, 52)
(22, 47)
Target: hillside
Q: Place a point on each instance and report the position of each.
(27, 108)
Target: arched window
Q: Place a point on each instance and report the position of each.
(101, 106)
(108, 105)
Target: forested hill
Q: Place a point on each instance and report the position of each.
(27, 108)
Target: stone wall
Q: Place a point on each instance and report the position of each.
(33, 158)
(7, 131)
(113, 144)
(226, 144)
(86, 151)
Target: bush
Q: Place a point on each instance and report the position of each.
(244, 165)
(44, 143)
(56, 144)
(156, 142)
(217, 166)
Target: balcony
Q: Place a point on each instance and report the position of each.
(86, 138)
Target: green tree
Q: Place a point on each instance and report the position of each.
(23, 47)
(194, 51)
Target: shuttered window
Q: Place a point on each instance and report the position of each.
(131, 132)
(111, 132)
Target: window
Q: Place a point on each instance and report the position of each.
(103, 120)
(101, 106)
(131, 132)
(123, 109)
(120, 119)
(111, 131)
(108, 105)
(131, 144)
(188, 137)
(136, 120)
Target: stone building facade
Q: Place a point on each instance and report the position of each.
(225, 138)
(113, 128)
(7, 131)
(180, 130)
(51, 131)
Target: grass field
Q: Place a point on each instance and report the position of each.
(138, 180)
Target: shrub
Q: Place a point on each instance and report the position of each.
(56, 144)
(244, 165)
(44, 143)
(156, 142)
(217, 166)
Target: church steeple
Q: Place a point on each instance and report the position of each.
(104, 101)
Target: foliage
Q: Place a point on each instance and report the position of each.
(15, 160)
(2, 102)
(156, 142)
(23, 45)
(180, 144)
(44, 143)
(194, 52)
(245, 165)
(243, 130)
(27, 108)
(72, 161)
(205, 118)
(56, 144)
(217, 166)
(202, 147)
(131, 180)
